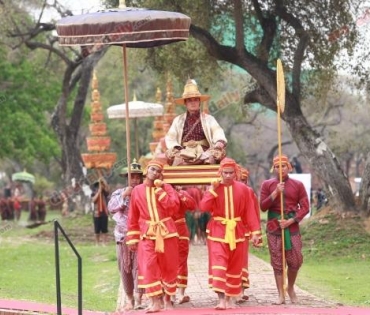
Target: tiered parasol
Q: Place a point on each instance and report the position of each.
(98, 144)
(161, 124)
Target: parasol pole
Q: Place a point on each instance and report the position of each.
(100, 190)
(136, 140)
(280, 102)
(128, 142)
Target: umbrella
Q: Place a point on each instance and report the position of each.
(23, 177)
(136, 109)
(126, 27)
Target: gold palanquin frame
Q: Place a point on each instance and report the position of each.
(190, 174)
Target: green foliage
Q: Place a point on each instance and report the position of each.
(186, 59)
(111, 3)
(42, 185)
(28, 98)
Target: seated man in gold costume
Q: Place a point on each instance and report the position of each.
(194, 137)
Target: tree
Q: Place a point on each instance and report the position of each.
(67, 115)
(255, 33)
(27, 97)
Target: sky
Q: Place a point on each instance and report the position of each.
(76, 6)
(82, 6)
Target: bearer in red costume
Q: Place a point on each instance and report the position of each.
(231, 205)
(187, 203)
(244, 174)
(152, 231)
(296, 207)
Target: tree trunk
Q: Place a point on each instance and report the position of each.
(365, 188)
(323, 162)
(67, 129)
(71, 157)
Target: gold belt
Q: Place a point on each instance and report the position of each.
(159, 230)
(193, 143)
(229, 230)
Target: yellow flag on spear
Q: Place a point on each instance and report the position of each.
(280, 102)
(280, 86)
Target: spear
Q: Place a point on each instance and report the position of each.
(280, 102)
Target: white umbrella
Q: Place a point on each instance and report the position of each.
(23, 177)
(136, 110)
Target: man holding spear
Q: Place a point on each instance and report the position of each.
(285, 248)
(287, 204)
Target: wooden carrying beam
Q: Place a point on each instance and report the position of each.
(190, 174)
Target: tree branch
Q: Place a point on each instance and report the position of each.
(245, 60)
(220, 52)
(301, 47)
(269, 31)
(34, 45)
(239, 28)
(259, 95)
(270, 155)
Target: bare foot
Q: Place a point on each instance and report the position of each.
(221, 305)
(184, 299)
(230, 304)
(292, 295)
(129, 305)
(168, 305)
(154, 307)
(138, 304)
(280, 301)
(152, 310)
(240, 300)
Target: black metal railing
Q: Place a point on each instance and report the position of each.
(57, 227)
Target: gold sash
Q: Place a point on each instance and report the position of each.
(230, 230)
(159, 230)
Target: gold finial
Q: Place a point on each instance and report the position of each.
(169, 89)
(94, 84)
(95, 95)
(122, 4)
(158, 95)
(170, 106)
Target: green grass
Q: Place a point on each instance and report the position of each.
(347, 283)
(27, 269)
(336, 258)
